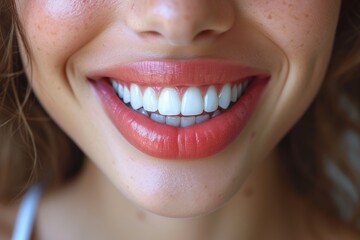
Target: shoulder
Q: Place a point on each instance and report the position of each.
(7, 219)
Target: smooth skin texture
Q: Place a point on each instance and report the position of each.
(289, 38)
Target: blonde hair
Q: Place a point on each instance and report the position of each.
(319, 153)
(34, 149)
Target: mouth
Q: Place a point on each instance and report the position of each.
(180, 106)
(179, 109)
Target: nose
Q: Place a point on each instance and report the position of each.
(181, 22)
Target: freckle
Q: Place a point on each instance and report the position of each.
(248, 192)
(140, 216)
(252, 135)
(205, 186)
(307, 15)
(269, 16)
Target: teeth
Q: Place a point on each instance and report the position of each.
(202, 118)
(240, 90)
(225, 96)
(217, 113)
(143, 112)
(234, 96)
(192, 102)
(187, 121)
(136, 97)
(127, 96)
(114, 84)
(169, 102)
(119, 89)
(165, 108)
(246, 83)
(150, 102)
(211, 101)
(173, 121)
(158, 118)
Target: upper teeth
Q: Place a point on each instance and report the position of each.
(170, 103)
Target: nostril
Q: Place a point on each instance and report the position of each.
(206, 34)
(151, 34)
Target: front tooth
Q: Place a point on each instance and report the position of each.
(150, 100)
(225, 96)
(240, 90)
(192, 102)
(173, 121)
(202, 118)
(234, 96)
(187, 121)
(136, 96)
(169, 102)
(126, 98)
(158, 118)
(211, 101)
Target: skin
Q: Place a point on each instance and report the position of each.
(290, 39)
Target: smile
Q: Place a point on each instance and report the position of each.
(179, 109)
(180, 106)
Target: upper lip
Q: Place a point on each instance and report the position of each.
(178, 72)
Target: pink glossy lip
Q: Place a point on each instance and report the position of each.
(167, 142)
(178, 72)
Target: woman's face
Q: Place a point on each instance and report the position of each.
(176, 101)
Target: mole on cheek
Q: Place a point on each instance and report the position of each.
(248, 192)
(140, 216)
(252, 136)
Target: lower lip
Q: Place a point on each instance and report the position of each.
(167, 142)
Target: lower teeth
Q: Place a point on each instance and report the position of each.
(177, 121)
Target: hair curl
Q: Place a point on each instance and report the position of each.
(33, 149)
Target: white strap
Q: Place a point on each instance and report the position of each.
(26, 214)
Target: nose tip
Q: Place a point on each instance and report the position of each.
(182, 22)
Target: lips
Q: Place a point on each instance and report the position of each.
(160, 140)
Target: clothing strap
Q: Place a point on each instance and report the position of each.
(26, 214)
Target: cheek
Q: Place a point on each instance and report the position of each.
(295, 25)
(55, 28)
